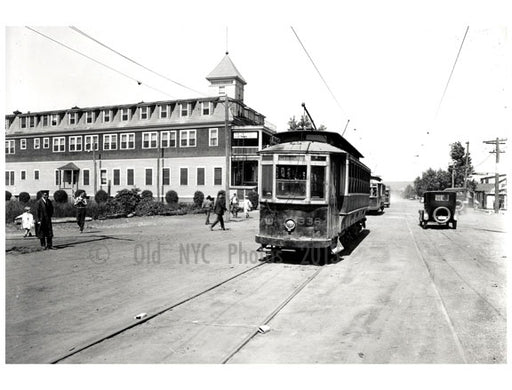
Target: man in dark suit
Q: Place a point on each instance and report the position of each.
(44, 213)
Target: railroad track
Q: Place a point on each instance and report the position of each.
(190, 299)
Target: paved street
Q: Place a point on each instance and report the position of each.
(402, 295)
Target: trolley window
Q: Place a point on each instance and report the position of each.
(266, 181)
(291, 181)
(317, 182)
(373, 191)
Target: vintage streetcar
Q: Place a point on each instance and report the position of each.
(439, 208)
(376, 195)
(387, 196)
(314, 192)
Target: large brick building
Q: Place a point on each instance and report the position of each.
(159, 146)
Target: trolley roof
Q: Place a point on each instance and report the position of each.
(319, 141)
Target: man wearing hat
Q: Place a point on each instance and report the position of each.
(27, 221)
(44, 213)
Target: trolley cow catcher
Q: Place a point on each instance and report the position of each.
(314, 192)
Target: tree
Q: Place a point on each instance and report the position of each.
(432, 180)
(458, 167)
(303, 124)
(408, 192)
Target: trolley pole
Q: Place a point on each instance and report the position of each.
(497, 144)
(466, 171)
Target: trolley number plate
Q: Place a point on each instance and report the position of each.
(308, 221)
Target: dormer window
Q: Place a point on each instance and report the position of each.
(206, 108)
(107, 115)
(54, 119)
(184, 109)
(125, 114)
(73, 118)
(32, 121)
(23, 122)
(144, 113)
(89, 117)
(165, 111)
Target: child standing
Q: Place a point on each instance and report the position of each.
(27, 221)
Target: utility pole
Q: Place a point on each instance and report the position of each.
(466, 172)
(227, 141)
(497, 144)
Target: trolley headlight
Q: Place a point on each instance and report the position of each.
(425, 216)
(289, 225)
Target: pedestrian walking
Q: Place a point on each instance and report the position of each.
(219, 209)
(247, 207)
(44, 213)
(81, 209)
(234, 205)
(27, 222)
(207, 206)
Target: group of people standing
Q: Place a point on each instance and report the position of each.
(219, 208)
(43, 218)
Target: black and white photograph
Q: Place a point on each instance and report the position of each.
(256, 194)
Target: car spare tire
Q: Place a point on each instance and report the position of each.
(442, 214)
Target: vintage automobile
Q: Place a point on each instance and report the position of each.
(439, 207)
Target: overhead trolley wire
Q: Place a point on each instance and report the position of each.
(318, 71)
(131, 60)
(96, 61)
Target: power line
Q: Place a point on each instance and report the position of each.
(318, 71)
(131, 60)
(453, 68)
(96, 61)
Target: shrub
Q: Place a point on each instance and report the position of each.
(60, 196)
(198, 198)
(24, 197)
(148, 206)
(113, 207)
(8, 196)
(171, 197)
(101, 196)
(129, 199)
(254, 198)
(146, 194)
(63, 210)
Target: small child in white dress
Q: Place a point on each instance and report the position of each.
(27, 222)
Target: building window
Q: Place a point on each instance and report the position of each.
(184, 176)
(75, 144)
(9, 146)
(46, 143)
(184, 109)
(85, 177)
(36, 174)
(57, 177)
(187, 138)
(37, 143)
(166, 176)
(200, 176)
(23, 122)
(32, 121)
(116, 173)
(109, 141)
(222, 90)
(206, 108)
(23, 144)
(73, 118)
(54, 118)
(23, 175)
(127, 141)
(213, 137)
(91, 140)
(149, 140)
(59, 144)
(144, 113)
(168, 139)
(103, 177)
(129, 177)
(165, 111)
(9, 178)
(217, 176)
(107, 115)
(149, 176)
(125, 114)
(89, 117)
(46, 120)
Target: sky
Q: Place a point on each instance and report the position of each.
(381, 68)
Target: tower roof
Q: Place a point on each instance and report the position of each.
(225, 69)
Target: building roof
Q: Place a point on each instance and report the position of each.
(225, 69)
